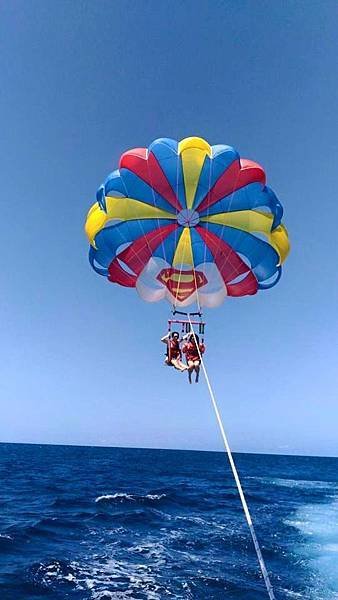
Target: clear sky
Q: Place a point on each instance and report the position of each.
(81, 82)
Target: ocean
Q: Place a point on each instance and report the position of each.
(113, 523)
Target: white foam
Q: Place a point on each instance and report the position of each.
(121, 496)
(95, 576)
(317, 520)
(155, 496)
(318, 547)
(331, 547)
(117, 496)
(291, 594)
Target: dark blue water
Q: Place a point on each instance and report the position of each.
(104, 523)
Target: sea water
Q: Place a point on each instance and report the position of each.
(105, 523)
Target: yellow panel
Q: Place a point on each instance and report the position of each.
(128, 208)
(255, 221)
(124, 209)
(192, 163)
(280, 241)
(248, 220)
(194, 142)
(183, 254)
(193, 151)
(96, 220)
(92, 208)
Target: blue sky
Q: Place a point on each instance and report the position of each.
(81, 360)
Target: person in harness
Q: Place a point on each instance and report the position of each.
(174, 353)
(193, 351)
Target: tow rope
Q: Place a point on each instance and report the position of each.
(235, 474)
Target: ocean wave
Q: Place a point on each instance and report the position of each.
(303, 484)
(70, 502)
(123, 497)
(202, 522)
(153, 550)
(153, 525)
(46, 527)
(6, 541)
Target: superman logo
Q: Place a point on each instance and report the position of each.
(181, 284)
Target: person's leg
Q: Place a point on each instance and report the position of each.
(183, 367)
(197, 370)
(178, 364)
(190, 369)
(174, 363)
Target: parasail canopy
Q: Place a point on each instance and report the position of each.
(187, 222)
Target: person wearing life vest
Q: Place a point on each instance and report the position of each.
(174, 353)
(193, 349)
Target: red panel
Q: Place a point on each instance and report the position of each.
(139, 252)
(248, 286)
(236, 176)
(119, 275)
(229, 264)
(147, 167)
(259, 175)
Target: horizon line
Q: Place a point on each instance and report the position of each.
(162, 449)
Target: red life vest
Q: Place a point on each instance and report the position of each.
(174, 351)
(191, 351)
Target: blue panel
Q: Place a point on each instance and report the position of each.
(109, 239)
(266, 286)
(248, 197)
(222, 157)
(92, 259)
(201, 252)
(100, 198)
(213, 168)
(163, 148)
(166, 152)
(138, 189)
(112, 183)
(263, 258)
(275, 207)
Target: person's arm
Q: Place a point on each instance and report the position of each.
(165, 338)
(202, 348)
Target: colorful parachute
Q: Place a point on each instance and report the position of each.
(187, 222)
